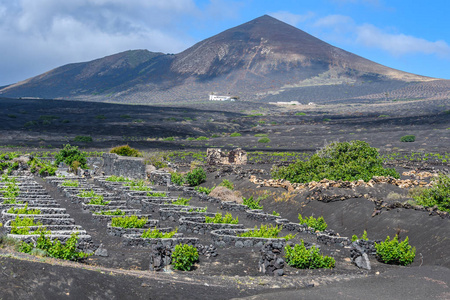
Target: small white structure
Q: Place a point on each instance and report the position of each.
(213, 97)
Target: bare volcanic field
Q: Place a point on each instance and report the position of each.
(48, 124)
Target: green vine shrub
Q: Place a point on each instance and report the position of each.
(129, 222)
(265, 231)
(184, 257)
(218, 218)
(251, 203)
(363, 237)
(156, 234)
(408, 138)
(70, 154)
(55, 248)
(349, 161)
(126, 151)
(196, 176)
(318, 224)
(301, 257)
(395, 252)
(438, 194)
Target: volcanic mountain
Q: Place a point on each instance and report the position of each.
(261, 59)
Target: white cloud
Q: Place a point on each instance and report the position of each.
(399, 44)
(342, 28)
(292, 19)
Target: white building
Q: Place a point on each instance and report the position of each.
(213, 97)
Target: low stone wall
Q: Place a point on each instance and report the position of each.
(8, 216)
(132, 167)
(120, 231)
(232, 206)
(271, 261)
(330, 239)
(157, 204)
(137, 240)
(52, 228)
(84, 241)
(174, 215)
(260, 215)
(197, 225)
(229, 238)
(360, 251)
(110, 206)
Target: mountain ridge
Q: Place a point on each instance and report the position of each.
(263, 56)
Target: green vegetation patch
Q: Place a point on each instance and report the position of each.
(348, 161)
(264, 140)
(395, 252)
(129, 222)
(302, 258)
(184, 257)
(219, 219)
(126, 150)
(408, 138)
(438, 194)
(83, 138)
(318, 224)
(235, 134)
(156, 234)
(252, 203)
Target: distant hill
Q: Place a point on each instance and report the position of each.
(264, 59)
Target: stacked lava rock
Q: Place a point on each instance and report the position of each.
(271, 261)
(160, 257)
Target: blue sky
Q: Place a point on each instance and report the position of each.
(38, 35)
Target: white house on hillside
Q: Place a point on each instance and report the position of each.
(213, 97)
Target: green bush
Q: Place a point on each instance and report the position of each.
(228, 184)
(264, 140)
(408, 138)
(318, 224)
(157, 194)
(181, 201)
(202, 189)
(83, 138)
(156, 234)
(98, 200)
(86, 194)
(116, 212)
(261, 135)
(184, 256)
(265, 231)
(363, 237)
(395, 252)
(202, 138)
(10, 192)
(70, 154)
(126, 151)
(71, 183)
(129, 222)
(301, 257)
(251, 203)
(218, 218)
(438, 194)
(169, 139)
(196, 176)
(177, 178)
(23, 211)
(114, 178)
(338, 161)
(300, 114)
(235, 134)
(55, 248)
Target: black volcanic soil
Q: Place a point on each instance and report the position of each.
(233, 274)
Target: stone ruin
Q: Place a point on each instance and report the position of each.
(215, 156)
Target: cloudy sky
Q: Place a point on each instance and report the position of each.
(38, 35)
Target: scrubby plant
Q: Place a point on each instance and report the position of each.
(251, 203)
(264, 140)
(116, 212)
(10, 192)
(156, 234)
(300, 114)
(204, 209)
(181, 201)
(261, 135)
(87, 194)
(156, 194)
(338, 161)
(71, 183)
(83, 138)
(69, 154)
(169, 139)
(438, 194)
(126, 150)
(23, 210)
(196, 176)
(274, 213)
(363, 237)
(98, 200)
(184, 257)
(265, 231)
(55, 248)
(218, 218)
(202, 138)
(19, 222)
(177, 178)
(129, 222)
(114, 178)
(235, 134)
(26, 230)
(395, 252)
(228, 184)
(301, 257)
(408, 138)
(205, 190)
(317, 224)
